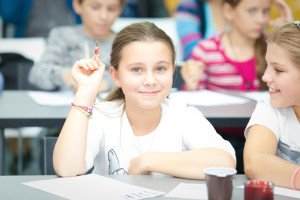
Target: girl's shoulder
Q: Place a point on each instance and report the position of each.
(109, 108)
(212, 43)
(178, 108)
(265, 108)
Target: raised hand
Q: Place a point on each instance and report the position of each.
(191, 73)
(284, 11)
(88, 73)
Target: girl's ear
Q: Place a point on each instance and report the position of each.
(115, 76)
(228, 12)
(77, 6)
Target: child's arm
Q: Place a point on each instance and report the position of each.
(285, 13)
(261, 162)
(187, 164)
(69, 151)
(191, 73)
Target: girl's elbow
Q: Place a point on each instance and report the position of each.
(68, 171)
(228, 161)
(250, 167)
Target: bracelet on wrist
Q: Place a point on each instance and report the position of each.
(293, 178)
(87, 110)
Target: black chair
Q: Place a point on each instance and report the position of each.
(177, 78)
(15, 69)
(48, 144)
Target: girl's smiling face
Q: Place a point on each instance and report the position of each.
(282, 77)
(145, 73)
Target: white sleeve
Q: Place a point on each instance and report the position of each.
(265, 115)
(94, 139)
(199, 133)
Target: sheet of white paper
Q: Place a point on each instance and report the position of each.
(189, 191)
(60, 98)
(92, 187)
(206, 98)
(282, 191)
(257, 96)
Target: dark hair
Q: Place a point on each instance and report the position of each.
(288, 38)
(260, 49)
(144, 31)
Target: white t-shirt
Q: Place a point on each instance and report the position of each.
(285, 126)
(111, 143)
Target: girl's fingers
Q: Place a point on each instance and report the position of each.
(88, 64)
(95, 64)
(91, 64)
(81, 64)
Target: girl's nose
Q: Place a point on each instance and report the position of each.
(267, 77)
(150, 79)
(103, 13)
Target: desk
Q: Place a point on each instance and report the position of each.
(19, 110)
(12, 189)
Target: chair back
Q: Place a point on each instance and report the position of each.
(15, 69)
(48, 144)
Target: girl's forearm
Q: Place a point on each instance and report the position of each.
(69, 152)
(189, 164)
(271, 168)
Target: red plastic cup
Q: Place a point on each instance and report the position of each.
(259, 190)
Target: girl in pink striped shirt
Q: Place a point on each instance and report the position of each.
(233, 60)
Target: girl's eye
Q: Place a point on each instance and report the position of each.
(94, 6)
(160, 69)
(136, 69)
(112, 8)
(278, 70)
(266, 11)
(251, 10)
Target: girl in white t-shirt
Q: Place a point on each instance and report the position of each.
(136, 130)
(272, 149)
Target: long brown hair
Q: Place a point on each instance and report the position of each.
(260, 49)
(288, 38)
(144, 31)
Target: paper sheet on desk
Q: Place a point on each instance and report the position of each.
(257, 96)
(61, 98)
(189, 191)
(282, 191)
(206, 98)
(92, 187)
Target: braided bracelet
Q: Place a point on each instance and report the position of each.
(87, 110)
(293, 178)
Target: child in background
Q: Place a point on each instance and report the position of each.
(137, 130)
(272, 149)
(197, 20)
(68, 44)
(233, 60)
